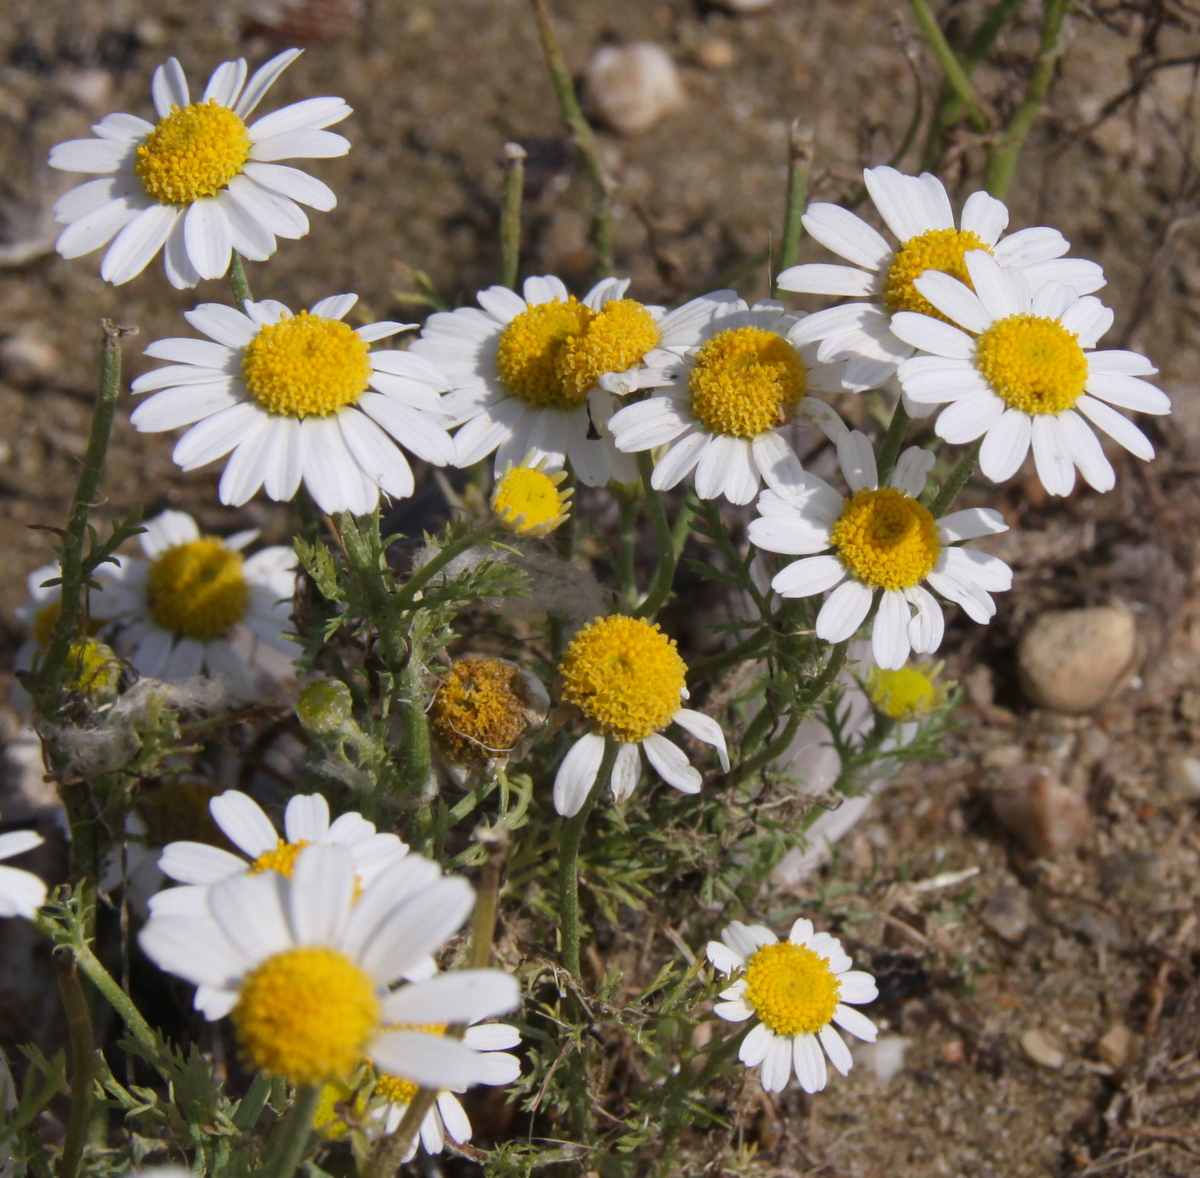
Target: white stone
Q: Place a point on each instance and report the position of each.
(1072, 660)
(631, 87)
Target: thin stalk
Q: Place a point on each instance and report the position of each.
(390, 1151)
(487, 904)
(1006, 148)
(955, 482)
(510, 214)
(581, 134)
(237, 280)
(106, 984)
(568, 864)
(889, 448)
(799, 710)
(629, 508)
(404, 599)
(951, 67)
(800, 155)
(664, 573)
(417, 748)
(289, 1142)
(83, 1063)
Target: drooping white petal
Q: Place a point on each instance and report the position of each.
(577, 774)
(932, 335)
(1005, 446)
(809, 1063)
(671, 764)
(626, 770)
(857, 1024)
(1052, 456)
(889, 633)
(1086, 452)
(844, 611)
(1119, 428)
(777, 1064)
(704, 728)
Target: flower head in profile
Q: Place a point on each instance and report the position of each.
(917, 211)
(880, 540)
(906, 693)
(296, 398)
(1018, 369)
(483, 710)
(21, 892)
(626, 677)
(304, 968)
(201, 181)
(541, 371)
(728, 399)
(528, 499)
(184, 609)
(795, 990)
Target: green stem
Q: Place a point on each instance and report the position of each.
(417, 748)
(800, 155)
(952, 68)
(404, 599)
(487, 904)
(1006, 148)
(390, 1151)
(800, 707)
(664, 573)
(568, 864)
(629, 507)
(237, 280)
(581, 133)
(289, 1142)
(112, 993)
(83, 1060)
(889, 448)
(510, 214)
(955, 482)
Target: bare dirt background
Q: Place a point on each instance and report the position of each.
(437, 89)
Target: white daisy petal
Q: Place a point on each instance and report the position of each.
(198, 863)
(756, 1045)
(1127, 392)
(912, 470)
(208, 237)
(927, 626)
(577, 774)
(704, 728)
(1119, 428)
(677, 463)
(1052, 456)
(970, 524)
(777, 1064)
(1005, 446)
(308, 114)
(136, 244)
(243, 822)
(932, 335)
(226, 325)
(466, 994)
(809, 1062)
(723, 958)
(1028, 246)
(836, 1049)
(805, 578)
(169, 87)
(900, 201)
(954, 299)
(889, 633)
(626, 770)
(1086, 452)
(103, 156)
(776, 461)
(846, 234)
(984, 216)
(844, 611)
(292, 183)
(857, 1024)
(824, 279)
(670, 762)
(93, 229)
(1001, 289)
(1114, 361)
(306, 818)
(969, 417)
(857, 988)
(262, 80)
(1079, 274)
(802, 932)
(249, 236)
(432, 1061)
(306, 144)
(857, 460)
(1089, 318)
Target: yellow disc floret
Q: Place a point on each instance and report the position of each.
(1033, 363)
(197, 589)
(396, 1089)
(306, 366)
(93, 669)
(527, 499)
(906, 693)
(280, 858)
(792, 990)
(625, 675)
(306, 1014)
(746, 381)
(553, 354)
(479, 712)
(193, 152)
(886, 539)
(937, 249)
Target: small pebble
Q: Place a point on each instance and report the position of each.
(1003, 756)
(885, 1056)
(1181, 775)
(631, 87)
(1006, 912)
(1118, 1046)
(1046, 817)
(715, 54)
(27, 356)
(90, 88)
(1072, 660)
(1042, 1049)
(953, 1052)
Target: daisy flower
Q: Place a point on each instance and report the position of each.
(1019, 369)
(727, 402)
(296, 398)
(539, 373)
(796, 990)
(21, 892)
(182, 608)
(917, 211)
(200, 182)
(626, 677)
(304, 969)
(880, 540)
(447, 1117)
(529, 500)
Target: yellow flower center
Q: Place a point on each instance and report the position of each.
(327, 1120)
(193, 152)
(904, 693)
(1034, 364)
(746, 381)
(197, 589)
(937, 249)
(552, 355)
(280, 858)
(792, 990)
(886, 539)
(306, 1014)
(306, 366)
(478, 713)
(93, 669)
(625, 675)
(527, 500)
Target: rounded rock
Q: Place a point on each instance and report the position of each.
(1072, 660)
(1046, 817)
(631, 87)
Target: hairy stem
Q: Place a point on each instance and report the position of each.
(390, 1151)
(956, 76)
(289, 1142)
(237, 280)
(429, 570)
(955, 481)
(629, 507)
(115, 997)
(568, 864)
(800, 155)
(581, 134)
(664, 573)
(83, 1060)
(510, 214)
(889, 447)
(1005, 150)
